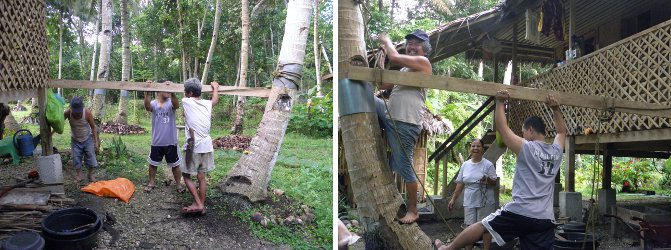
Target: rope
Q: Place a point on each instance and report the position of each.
(398, 138)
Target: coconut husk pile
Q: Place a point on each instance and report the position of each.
(232, 142)
(121, 129)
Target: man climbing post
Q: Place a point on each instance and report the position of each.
(163, 136)
(199, 158)
(533, 185)
(402, 122)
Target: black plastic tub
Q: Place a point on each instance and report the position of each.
(72, 228)
(24, 241)
(575, 241)
(573, 227)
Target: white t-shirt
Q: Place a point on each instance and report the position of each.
(198, 115)
(477, 194)
(533, 185)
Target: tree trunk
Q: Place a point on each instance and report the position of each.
(315, 48)
(378, 201)
(80, 33)
(249, 178)
(244, 59)
(213, 43)
(326, 58)
(60, 50)
(181, 39)
(95, 49)
(122, 115)
(104, 60)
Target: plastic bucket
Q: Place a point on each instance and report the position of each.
(72, 228)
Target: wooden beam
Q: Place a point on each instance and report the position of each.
(569, 175)
(607, 166)
(489, 89)
(630, 136)
(143, 86)
(625, 153)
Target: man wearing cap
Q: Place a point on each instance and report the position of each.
(84, 137)
(402, 122)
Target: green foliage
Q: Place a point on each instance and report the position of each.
(314, 118)
(118, 147)
(636, 171)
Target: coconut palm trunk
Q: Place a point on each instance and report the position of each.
(250, 176)
(244, 59)
(315, 48)
(213, 43)
(122, 115)
(375, 193)
(98, 106)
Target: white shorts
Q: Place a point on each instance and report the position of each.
(202, 162)
(475, 214)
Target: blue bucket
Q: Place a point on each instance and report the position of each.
(24, 143)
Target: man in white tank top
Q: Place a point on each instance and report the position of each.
(402, 122)
(84, 138)
(533, 185)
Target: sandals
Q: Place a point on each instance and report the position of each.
(148, 188)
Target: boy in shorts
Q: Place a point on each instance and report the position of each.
(198, 149)
(529, 216)
(163, 136)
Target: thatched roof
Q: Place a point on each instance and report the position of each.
(436, 125)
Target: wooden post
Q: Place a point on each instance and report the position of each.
(436, 173)
(571, 24)
(607, 167)
(515, 76)
(569, 151)
(496, 69)
(45, 130)
(444, 189)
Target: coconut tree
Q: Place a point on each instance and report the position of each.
(250, 176)
(122, 116)
(375, 193)
(104, 59)
(215, 32)
(244, 49)
(315, 48)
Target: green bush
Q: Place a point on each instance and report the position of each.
(314, 118)
(636, 171)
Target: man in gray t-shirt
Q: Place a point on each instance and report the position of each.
(533, 185)
(163, 136)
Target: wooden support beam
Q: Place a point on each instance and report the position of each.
(607, 167)
(630, 153)
(489, 89)
(629, 136)
(143, 86)
(569, 176)
(45, 130)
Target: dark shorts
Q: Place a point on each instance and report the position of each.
(170, 153)
(83, 153)
(505, 226)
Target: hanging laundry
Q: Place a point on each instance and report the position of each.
(532, 33)
(552, 20)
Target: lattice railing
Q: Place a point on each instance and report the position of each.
(637, 68)
(24, 59)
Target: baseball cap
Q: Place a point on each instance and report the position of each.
(77, 105)
(419, 34)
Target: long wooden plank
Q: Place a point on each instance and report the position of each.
(629, 136)
(490, 89)
(143, 86)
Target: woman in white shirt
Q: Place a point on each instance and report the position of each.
(478, 177)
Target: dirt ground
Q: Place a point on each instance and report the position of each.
(153, 220)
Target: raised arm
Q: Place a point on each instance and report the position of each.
(415, 63)
(558, 119)
(66, 114)
(147, 101)
(173, 99)
(513, 142)
(215, 93)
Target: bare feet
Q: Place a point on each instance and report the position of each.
(409, 218)
(437, 244)
(193, 208)
(149, 187)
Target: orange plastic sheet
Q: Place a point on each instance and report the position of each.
(120, 188)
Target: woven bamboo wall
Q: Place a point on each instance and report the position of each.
(24, 59)
(637, 68)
